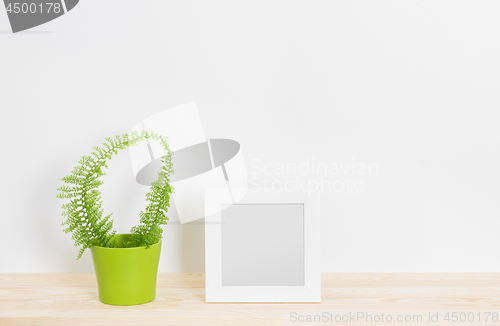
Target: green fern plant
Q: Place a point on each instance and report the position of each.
(84, 212)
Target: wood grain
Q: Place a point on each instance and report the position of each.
(71, 299)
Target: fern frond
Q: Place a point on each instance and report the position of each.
(84, 213)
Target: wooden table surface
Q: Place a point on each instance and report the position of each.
(71, 299)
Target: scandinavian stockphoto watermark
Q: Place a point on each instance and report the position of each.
(26, 14)
(312, 175)
(469, 317)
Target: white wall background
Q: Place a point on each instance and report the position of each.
(410, 86)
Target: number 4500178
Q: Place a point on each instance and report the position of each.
(471, 317)
(32, 8)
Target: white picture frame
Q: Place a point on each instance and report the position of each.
(220, 290)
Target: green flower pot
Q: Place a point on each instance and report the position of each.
(126, 276)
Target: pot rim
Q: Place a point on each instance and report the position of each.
(131, 248)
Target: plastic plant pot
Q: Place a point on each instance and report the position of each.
(126, 276)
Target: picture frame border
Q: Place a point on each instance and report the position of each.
(215, 198)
